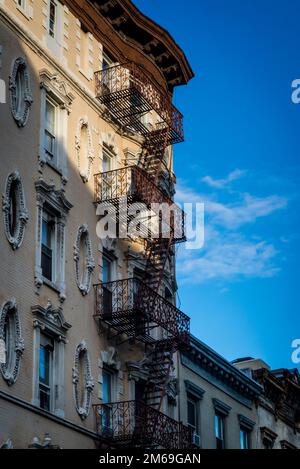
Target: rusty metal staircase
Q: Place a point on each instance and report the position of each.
(128, 94)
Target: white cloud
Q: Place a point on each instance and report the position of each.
(247, 210)
(228, 254)
(229, 258)
(222, 183)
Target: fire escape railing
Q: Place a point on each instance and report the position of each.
(132, 184)
(129, 93)
(137, 424)
(130, 306)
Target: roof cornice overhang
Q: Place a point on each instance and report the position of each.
(139, 38)
(220, 368)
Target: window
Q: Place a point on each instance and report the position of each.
(169, 296)
(46, 372)
(50, 129)
(107, 294)
(244, 438)
(106, 162)
(219, 431)
(52, 18)
(22, 3)
(107, 63)
(56, 101)
(49, 340)
(52, 207)
(107, 377)
(48, 246)
(193, 414)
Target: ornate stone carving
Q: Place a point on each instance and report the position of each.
(19, 83)
(9, 318)
(83, 279)
(58, 88)
(8, 444)
(82, 399)
(83, 124)
(14, 183)
(52, 319)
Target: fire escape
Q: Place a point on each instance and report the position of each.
(134, 306)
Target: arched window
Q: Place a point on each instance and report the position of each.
(14, 210)
(11, 341)
(20, 94)
(83, 383)
(84, 261)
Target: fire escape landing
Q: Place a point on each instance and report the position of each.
(133, 185)
(133, 423)
(128, 93)
(133, 308)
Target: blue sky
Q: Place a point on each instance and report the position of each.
(241, 158)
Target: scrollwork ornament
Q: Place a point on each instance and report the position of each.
(21, 216)
(83, 279)
(20, 105)
(82, 401)
(11, 370)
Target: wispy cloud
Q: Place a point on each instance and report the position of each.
(229, 254)
(247, 210)
(223, 183)
(229, 258)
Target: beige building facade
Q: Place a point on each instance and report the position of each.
(71, 350)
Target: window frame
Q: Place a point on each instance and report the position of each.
(50, 347)
(52, 32)
(245, 438)
(54, 202)
(50, 323)
(220, 440)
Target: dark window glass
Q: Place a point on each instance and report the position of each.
(48, 228)
(45, 370)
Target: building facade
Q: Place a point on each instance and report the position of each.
(88, 322)
(278, 407)
(217, 401)
(238, 405)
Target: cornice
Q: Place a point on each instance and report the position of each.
(206, 358)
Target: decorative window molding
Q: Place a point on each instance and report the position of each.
(83, 278)
(49, 321)
(245, 422)
(48, 197)
(221, 408)
(194, 390)
(14, 190)
(268, 437)
(10, 334)
(82, 398)
(57, 91)
(84, 153)
(20, 93)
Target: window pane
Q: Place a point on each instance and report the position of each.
(106, 163)
(244, 439)
(191, 408)
(47, 247)
(50, 117)
(106, 270)
(106, 387)
(52, 18)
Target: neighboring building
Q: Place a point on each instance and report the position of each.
(278, 412)
(88, 119)
(217, 401)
